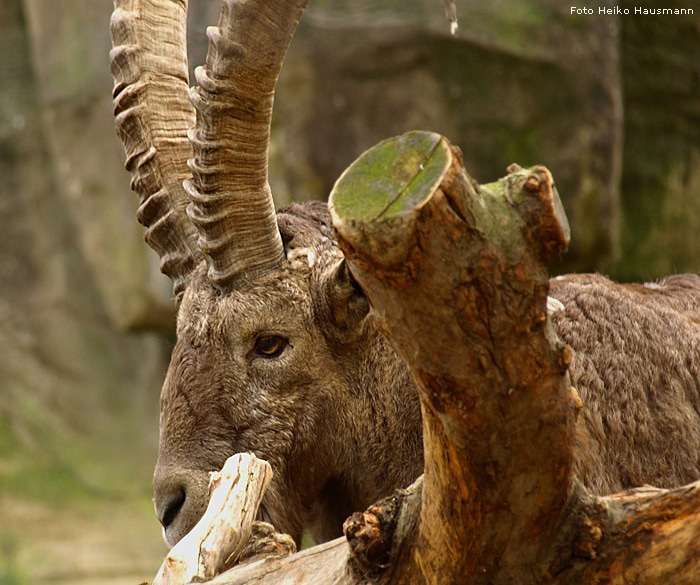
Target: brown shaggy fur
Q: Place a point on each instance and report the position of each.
(637, 370)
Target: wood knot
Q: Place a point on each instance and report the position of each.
(370, 535)
(265, 542)
(566, 355)
(532, 184)
(367, 542)
(586, 545)
(513, 168)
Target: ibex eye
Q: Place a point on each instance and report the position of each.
(270, 346)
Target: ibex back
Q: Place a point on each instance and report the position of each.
(277, 352)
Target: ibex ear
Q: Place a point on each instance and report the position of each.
(347, 304)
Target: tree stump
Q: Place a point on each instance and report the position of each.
(456, 274)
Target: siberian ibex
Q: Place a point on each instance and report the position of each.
(277, 352)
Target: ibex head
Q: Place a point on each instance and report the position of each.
(276, 353)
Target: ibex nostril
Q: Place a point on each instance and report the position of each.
(171, 508)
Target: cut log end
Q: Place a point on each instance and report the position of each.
(386, 185)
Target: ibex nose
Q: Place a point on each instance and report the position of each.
(180, 497)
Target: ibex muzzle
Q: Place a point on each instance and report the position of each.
(277, 352)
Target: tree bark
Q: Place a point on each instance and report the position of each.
(643, 536)
(456, 275)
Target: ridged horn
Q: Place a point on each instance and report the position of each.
(232, 205)
(153, 113)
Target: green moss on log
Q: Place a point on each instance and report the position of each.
(395, 176)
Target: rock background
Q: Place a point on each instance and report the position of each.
(610, 104)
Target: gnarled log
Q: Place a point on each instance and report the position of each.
(456, 273)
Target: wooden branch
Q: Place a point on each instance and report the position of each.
(644, 536)
(335, 562)
(456, 274)
(222, 533)
(320, 565)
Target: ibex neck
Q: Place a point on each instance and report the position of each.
(377, 438)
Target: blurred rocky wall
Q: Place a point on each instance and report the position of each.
(660, 190)
(609, 103)
(74, 275)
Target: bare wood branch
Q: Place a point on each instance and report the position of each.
(219, 537)
(644, 536)
(325, 564)
(335, 562)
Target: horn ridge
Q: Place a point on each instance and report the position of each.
(231, 203)
(152, 116)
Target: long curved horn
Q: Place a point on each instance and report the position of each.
(232, 206)
(153, 113)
